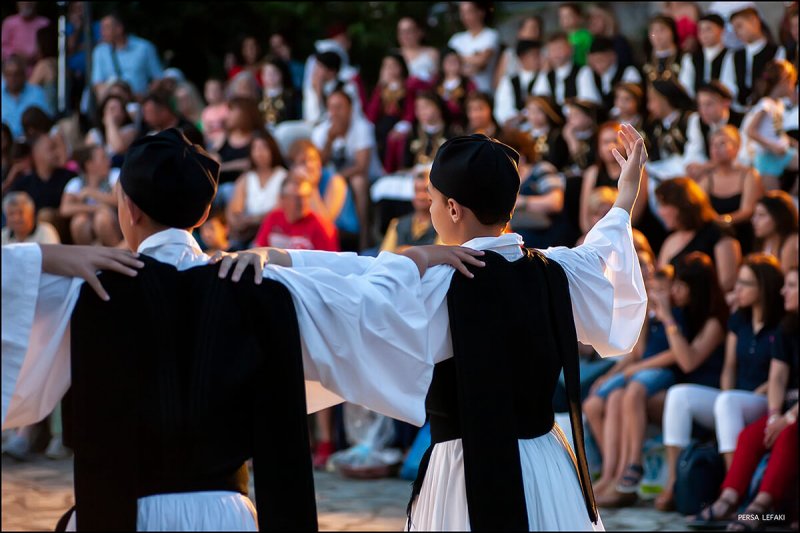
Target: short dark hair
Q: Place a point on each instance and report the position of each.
(557, 36)
(162, 98)
(36, 121)
(84, 154)
(749, 12)
(342, 93)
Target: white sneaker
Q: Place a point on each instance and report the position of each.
(56, 449)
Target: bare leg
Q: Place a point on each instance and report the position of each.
(80, 228)
(612, 429)
(594, 409)
(634, 409)
(106, 227)
(664, 501)
(324, 447)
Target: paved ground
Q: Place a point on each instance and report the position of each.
(36, 494)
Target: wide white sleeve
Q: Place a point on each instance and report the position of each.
(35, 332)
(586, 87)
(364, 336)
(606, 286)
(342, 263)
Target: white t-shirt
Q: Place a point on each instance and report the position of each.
(773, 115)
(361, 135)
(76, 185)
(466, 45)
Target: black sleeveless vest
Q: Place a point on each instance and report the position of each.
(699, 61)
(512, 331)
(760, 61)
(734, 119)
(608, 99)
(519, 96)
(570, 83)
(172, 381)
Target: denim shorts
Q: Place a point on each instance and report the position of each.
(653, 379)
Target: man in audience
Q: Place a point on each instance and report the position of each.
(596, 81)
(705, 64)
(159, 112)
(325, 78)
(19, 95)
(513, 91)
(21, 225)
(560, 83)
(19, 32)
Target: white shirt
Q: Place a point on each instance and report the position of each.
(587, 90)
(423, 67)
(695, 149)
(360, 136)
(260, 200)
(774, 112)
(688, 76)
(466, 45)
(542, 87)
(504, 102)
(728, 74)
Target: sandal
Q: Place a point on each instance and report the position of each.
(631, 479)
(708, 520)
(750, 520)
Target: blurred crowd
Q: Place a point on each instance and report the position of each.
(313, 158)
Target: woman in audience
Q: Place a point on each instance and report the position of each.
(429, 131)
(665, 59)
(629, 105)
(241, 125)
(775, 227)
(529, 29)
(480, 117)
(247, 59)
(279, 100)
(391, 107)
(255, 192)
(680, 341)
(775, 433)
(605, 173)
(688, 215)
(741, 399)
(114, 130)
(478, 45)
(330, 198)
(542, 125)
(422, 61)
(454, 87)
(580, 134)
(733, 189)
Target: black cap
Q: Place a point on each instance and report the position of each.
(587, 106)
(713, 17)
(675, 94)
(330, 60)
(172, 180)
(479, 173)
(716, 87)
(601, 44)
(526, 45)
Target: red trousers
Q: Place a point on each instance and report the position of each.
(781, 470)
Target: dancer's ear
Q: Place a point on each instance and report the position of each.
(455, 210)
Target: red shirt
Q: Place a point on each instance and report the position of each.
(308, 233)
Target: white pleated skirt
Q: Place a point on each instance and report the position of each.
(552, 490)
(193, 511)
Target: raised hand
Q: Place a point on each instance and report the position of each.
(632, 168)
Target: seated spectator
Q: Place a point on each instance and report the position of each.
(292, 225)
(422, 60)
(248, 59)
(580, 134)
(90, 202)
(629, 106)
(687, 214)
(480, 116)
(45, 184)
(664, 61)
(215, 113)
(428, 132)
(18, 95)
(596, 80)
(529, 29)
(325, 79)
(255, 192)
(391, 106)
(35, 122)
(331, 198)
(683, 338)
(114, 130)
(479, 45)
(775, 227)
(741, 398)
(279, 100)
(732, 188)
(543, 122)
(123, 57)
(347, 143)
(6, 150)
(685, 15)
(214, 234)
(769, 148)
(241, 125)
(603, 23)
(21, 163)
(454, 87)
(160, 112)
(704, 65)
(713, 112)
(243, 85)
(280, 46)
(775, 434)
(571, 21)
(19, 33)
(21, 224)
(189, 104)
(413, 229)
(669, 109)
(561, 80)
(513, 90)
(45, 70)
(605, 173)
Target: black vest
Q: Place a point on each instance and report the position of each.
(734, 119)
(498, 387)
(570, 83)
(760, 61)
(176, 382)
(699, 61)
(668, 141)
(519, 96)
(608, 98)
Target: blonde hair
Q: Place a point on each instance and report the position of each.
(602, 196)
(730, 132)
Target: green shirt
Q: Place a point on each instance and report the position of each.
(581, 41)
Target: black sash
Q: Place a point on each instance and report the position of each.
(570, 83)
(760, 61)
(519, 97)
(699, 61)
(608, 98)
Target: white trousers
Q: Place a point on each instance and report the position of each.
(726, 411)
